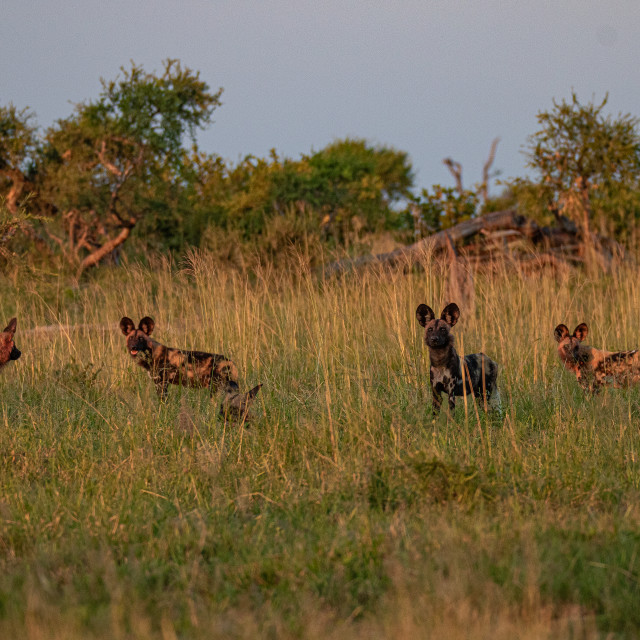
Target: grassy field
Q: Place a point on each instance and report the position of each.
(345, 511)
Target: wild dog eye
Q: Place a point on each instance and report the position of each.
(430, 329)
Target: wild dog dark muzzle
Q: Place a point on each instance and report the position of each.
(136, 345)
(437, 341)
(577, 355)
(15, 353)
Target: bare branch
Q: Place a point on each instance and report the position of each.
(105, 163)
(456, 170)
(93, 258)
(18, 183)
(113, 210)
(484, 189)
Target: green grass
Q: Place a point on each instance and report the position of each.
(345, 510)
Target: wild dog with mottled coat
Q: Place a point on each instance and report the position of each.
(8, 349)
(593, 367)
(446, 373)
(167, 365)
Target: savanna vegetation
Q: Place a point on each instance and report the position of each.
(123, 176)
(344, 510)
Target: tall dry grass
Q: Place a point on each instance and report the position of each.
(345, 510)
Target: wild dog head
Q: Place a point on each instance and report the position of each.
(235, 404)
(8, 349)
(571, 349)
(437, 332)
(138, 341)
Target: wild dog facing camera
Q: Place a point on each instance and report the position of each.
(437, 334)
(595, 368)
(446, 372)
(138, 339)
(570, 349)
(8, 349)
(169, 365)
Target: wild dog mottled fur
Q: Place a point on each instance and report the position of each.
(480, 372)
(8, 349)
(167, 365)
(593, 367)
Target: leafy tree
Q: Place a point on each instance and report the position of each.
(587, 165)
(11, 222)
(18, 146)
(351, 173)
(114, 161)
(442, 208)
(348, 183)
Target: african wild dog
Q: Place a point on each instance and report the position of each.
(593, 367)
(480, 372)
(167, 365)
(235, 404)
(8, 349)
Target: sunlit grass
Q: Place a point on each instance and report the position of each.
(344, 510)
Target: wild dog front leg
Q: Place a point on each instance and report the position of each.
(595, 387)
(436, 403)
(436, 389)
(161, 385)
(590, 383)
(599, 380)
(450, 388)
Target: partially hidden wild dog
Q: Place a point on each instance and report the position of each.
(475, 374)
(167, 365)
(235, 404)
(593, 367)
(8, 349)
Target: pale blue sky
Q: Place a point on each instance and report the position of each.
(434, 78)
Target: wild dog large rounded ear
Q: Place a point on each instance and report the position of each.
(254, 392)
(11, 327)
(560, 332)
(127, 326)
(424, 314)
(581, 331)
(147, 324)
(450, 314)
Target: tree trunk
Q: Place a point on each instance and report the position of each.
(102, 252)
(18, 182)
(507, 219)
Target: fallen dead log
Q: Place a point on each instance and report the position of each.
(496, 232)
(435, 242)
